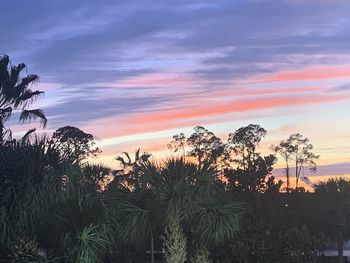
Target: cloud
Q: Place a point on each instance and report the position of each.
(128, 67)
(152, 79)
(162, 120)
(315, 73)
(338, 169)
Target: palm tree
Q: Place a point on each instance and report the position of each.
(174, 242)
(46, 203)
(183, 195)
(29, 180)
(15, 94)
(130, 173)
(77, 227)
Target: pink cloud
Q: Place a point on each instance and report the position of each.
(153, 79)
(45, 86)
(172, 119)
(247, 91)
(311, 73)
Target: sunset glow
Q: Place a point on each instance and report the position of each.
(133, 77)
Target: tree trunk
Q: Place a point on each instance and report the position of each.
(152, 248)
(340, 246)
(296, 175)
(287, 175)
(1, 131)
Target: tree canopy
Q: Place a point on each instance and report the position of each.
(74, 144)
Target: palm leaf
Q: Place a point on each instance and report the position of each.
(217, 223)
(27, 98)
(5, 114)
(135, 220)
(26, 137)
(31, 115)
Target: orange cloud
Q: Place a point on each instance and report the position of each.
(233, 106)
(146, 145)
(171, 119)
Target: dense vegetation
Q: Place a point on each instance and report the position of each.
(214, 201)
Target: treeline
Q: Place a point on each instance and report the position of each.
(239, 157)
(214, 201)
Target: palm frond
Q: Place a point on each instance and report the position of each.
(29, 79)
(135, 221)
(26, 98)
(5, 114)
(132, 217)
(88, 245)
(26, 137)
(31, 115)
(15, 73)
(217, 223)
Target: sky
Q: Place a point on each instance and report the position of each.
(134, 73)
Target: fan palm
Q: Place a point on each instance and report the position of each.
(196, 195)
(187, 193)
(15, 94)
(75, 227)
(134, 214)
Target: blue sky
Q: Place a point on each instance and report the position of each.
(133, 73)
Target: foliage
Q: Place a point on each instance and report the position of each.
(244, 142)
(74, 144)
(254, 177)
(252, 171)
(205, 146)
(86, 246)
(201, 255)
(97, 176)
(178, 143)
(217, 223)
(333, 210)
(27, 182)
(131, 173)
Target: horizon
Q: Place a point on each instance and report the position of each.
(135, 73)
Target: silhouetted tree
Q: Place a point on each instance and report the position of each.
(15, 94)
(204, 146)
(74, 144)
(178, 143)
(244, 142)
(285, 149)
(253, 178)
(303, 154)
(300, 150)
(130, 175)
(97, 176)
(251, 170)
